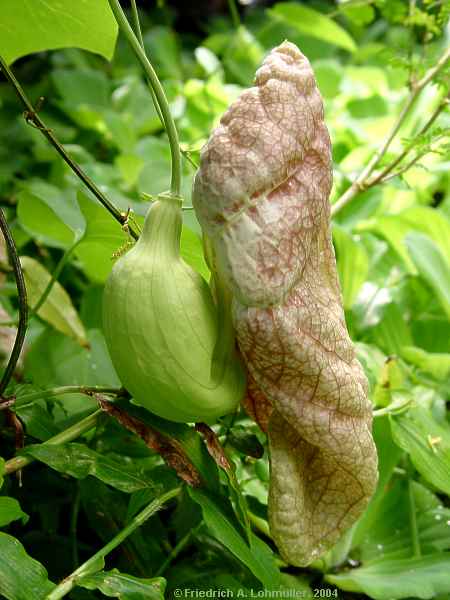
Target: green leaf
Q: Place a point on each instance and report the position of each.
(388, 456)
(57, 309)
(398, 578)
(46, 25)
(21, 577)
(388, 534)
(431, 265)
(115, 584)
(85, 95)
(10, 511)
(243, 56)
(436, 364)
(328, 75)
(257, 557)
(432, 223)
(89, 87)
(55, 359)
(360, 15)
(79, 461)
(393, 229)
(50, 215)
(314, 24)
(104, 237)
(392, 332)
(352, 264)
(38, 422)
(428, 444)
(192, 252)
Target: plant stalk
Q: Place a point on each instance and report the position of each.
(362, 182)
(33, 118)
(95, 563)
(23, 304)
(158, 90)
(28, 399)
(17, 463)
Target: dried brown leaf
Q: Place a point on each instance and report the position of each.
(261, 195)
(170, 450)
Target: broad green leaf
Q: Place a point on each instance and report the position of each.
(155, 173)
(360, 14)
(432, 223)
(328, 75)
(352, 264)
(37, 420)
(367, 108)
(130, 167)
(192, 252)
(57, 309)
(432, 333)
(88, 87)
(388, 534)
(79, 461)
(43, 25)
(50, 215)
(207, 60)
(243, 56)
(428, 444)
(103, 238)
(21, 577)
(10, 511)
(55, 359)
(388, 456)
(391, 579)
(115, 584)
(314, 24)
(393, 229)
(431, 265)
(392, 332)
(257, 557)
(436, 364)
(85, 96)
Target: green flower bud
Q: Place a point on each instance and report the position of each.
(170, 342)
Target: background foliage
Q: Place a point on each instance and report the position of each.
(98, 478)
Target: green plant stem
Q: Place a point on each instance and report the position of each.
(73, 526)
(138, 32)
(69, 434)
(260, 524)
(95, 563)
(136, 22)
(363, 182)
(381, 177)
(56, 273)
(169, 123)
(33, 118)
(23, 304)
(234, 13)
(28, 399)
(177, 549)
(413, 521)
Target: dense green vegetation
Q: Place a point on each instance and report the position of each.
(383, 70)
